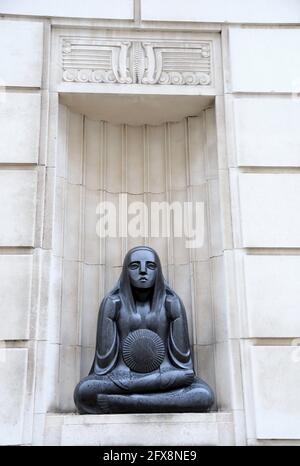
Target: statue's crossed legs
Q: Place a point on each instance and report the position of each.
(171, 391)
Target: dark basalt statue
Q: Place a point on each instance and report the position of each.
(143, 359)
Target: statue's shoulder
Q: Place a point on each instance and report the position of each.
(114, 298)
(172, 297)
(174, 306)
(111, 302)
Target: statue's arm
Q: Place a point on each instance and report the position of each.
(107, 341)
(178, 340)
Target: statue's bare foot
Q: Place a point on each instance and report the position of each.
(176, 379)
(103, 404)
(189, 377)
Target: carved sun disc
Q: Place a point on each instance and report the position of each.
(143, 351)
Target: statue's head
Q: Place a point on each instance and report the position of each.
(142, 267)
(142, 270)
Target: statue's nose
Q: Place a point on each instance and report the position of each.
(143, 269)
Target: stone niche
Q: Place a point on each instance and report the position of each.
(144, 127)
(99, 160)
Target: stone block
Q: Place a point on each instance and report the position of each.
(177, 134)
(140, 429)
(196, 146)
(55, 299)
(69, 375)
(204, 365)
(222, 368)
(203, 315)
(75, 148)
(86, 359)
(19, 127)
(228, 375)
(219, 299)
(21, 50)
(61, 191)
(249, 49)
(113, 159)
(261, 11)
(71, 302)
(73, 221)
(211, 154)
(13, 369)
(91, 218)
(199, 196)
(15, 296)
(155, 140)
(267, 131)
(62, 141)
(215, 227)
(90, 304)
(119, 9)
(134, 159)
(269, 210)
(46, 381)
(272, 295)
(17, 207)
(276, 380)
(93, 154)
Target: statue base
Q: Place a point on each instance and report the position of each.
(179, 429)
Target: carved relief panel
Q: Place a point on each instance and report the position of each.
(136, 62)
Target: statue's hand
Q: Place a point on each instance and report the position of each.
(172, 308)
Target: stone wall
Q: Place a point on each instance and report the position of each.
(21, 218)
(264, 168)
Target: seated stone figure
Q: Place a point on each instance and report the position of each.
(143, 359)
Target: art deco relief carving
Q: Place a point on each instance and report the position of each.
(88, 60)
(136, 62)
(177, 64)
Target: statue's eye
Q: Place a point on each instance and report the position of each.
(151, 265)
(133, 265)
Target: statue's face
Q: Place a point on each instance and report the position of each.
(142, 269)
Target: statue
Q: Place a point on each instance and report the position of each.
(143, 359)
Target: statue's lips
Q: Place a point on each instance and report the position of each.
(143, 279)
